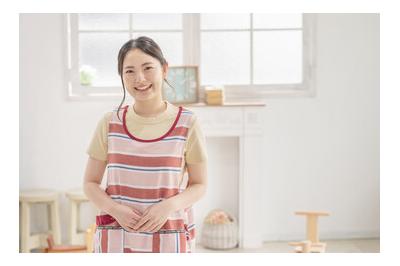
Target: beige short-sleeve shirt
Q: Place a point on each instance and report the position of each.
(150, 128)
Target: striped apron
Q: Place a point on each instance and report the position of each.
(141, 173)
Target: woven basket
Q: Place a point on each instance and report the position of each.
(220, 236)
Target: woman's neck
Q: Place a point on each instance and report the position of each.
(149, 108)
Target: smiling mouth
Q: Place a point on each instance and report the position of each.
(143, 88)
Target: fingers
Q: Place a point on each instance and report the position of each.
(143, 226)
(131, 221)
(127, 228)
(146, 226)
(132, 225)
(152, 226)
(137, 212)
(145, 222)
(129, 225)
(141, 222)
(136, 216)
(149, 227)
(156, 228)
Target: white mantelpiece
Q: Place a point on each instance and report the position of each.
(245, 122)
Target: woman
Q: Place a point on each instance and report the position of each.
(156, 162)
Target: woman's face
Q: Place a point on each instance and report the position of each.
(143, 75)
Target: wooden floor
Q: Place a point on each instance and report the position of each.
(333, 246)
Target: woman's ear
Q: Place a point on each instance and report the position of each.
(165, 70)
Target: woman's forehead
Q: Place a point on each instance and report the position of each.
(137, 58)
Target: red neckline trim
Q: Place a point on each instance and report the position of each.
(149, 140)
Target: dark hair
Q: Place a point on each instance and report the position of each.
(146, 45)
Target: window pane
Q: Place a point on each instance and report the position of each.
(277, 21)
(157, 21)
(225, 21)
(225, 58)
(170, 44)
(100, 51)
(277, 57)
(103, 21)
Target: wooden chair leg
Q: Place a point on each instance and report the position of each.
(55, 222)
(25, 227)
(89, 237)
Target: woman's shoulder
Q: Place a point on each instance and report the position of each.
(104, 121)
(107, 117)
(115, 114)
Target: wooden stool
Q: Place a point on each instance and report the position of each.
(26, 199)
(301, 247)
(90, 233)
(53, 248)
(76, 198)
(312, 243)
(306, 247)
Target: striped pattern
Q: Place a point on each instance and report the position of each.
(143, 173)
(115, 240)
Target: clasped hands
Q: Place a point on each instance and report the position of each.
(150, 221)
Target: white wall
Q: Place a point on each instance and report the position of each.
(320, 153)
(323, 152)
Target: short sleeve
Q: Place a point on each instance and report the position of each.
(196, 145)
(98, 146)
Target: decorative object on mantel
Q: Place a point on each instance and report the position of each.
(185, 83)
(214, 95)
(220, 230)
(312, 243)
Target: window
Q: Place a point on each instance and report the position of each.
(95, 39)
(252, 55)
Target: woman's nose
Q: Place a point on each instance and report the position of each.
(139, 77)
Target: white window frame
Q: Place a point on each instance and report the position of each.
(191, 56)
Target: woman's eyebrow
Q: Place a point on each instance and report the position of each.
(147, 63)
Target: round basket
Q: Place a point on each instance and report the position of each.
(220, 236)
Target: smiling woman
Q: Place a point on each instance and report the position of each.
(155, 158)
(143, 69)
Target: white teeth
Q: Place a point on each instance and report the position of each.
(143, 88)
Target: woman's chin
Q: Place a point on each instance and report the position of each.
(143, 97)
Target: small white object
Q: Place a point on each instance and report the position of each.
(220, 236)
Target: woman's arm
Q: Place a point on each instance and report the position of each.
(126, 216)
(197, 186)
(91, 186)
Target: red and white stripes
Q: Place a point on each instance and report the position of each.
(141, 173)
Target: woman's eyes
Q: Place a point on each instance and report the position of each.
(131, 71)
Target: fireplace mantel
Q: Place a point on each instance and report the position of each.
(242, 120)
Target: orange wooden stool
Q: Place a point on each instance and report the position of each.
(312, 243)
(53, 248)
